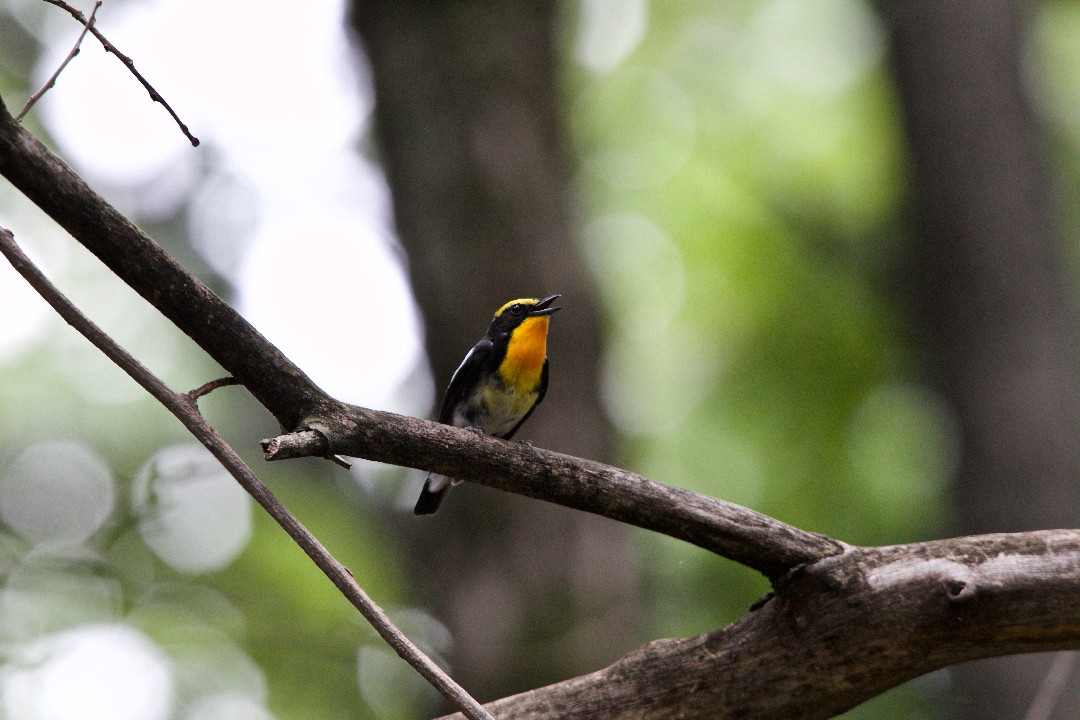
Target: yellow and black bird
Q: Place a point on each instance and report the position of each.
(498, 384)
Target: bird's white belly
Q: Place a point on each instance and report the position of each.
(496, 409)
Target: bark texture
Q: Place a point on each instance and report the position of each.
(840, 632)
(998, 325)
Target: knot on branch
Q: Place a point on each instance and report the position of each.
(960, 591)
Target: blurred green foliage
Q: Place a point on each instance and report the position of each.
(743, 174)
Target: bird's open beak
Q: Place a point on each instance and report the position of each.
(544, 306)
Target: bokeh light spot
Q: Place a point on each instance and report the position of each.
(608, 32)
(192, 514)
(56, 492)
(94, 672)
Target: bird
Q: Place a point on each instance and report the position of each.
(499, 383)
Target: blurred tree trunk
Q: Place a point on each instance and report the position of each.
(994, 305)
(469, 131)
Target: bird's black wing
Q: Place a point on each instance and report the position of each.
(463, 379)
(540, 392)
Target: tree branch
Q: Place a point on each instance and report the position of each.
(845, 623)
(743, 535)
(54, 187)
(52, 78)
(746, 536)
(209, 387)
(182, 405)
(128, 63)
(842, 631)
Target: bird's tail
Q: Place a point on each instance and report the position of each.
(435, 486)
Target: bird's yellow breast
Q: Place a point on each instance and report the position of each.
(525, 355)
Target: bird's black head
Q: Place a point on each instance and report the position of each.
(515, 312)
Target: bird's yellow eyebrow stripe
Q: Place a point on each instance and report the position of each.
(527, 301)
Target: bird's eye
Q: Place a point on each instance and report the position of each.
(517, 308)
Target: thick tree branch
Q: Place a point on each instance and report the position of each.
(183, 407)
(743, 535)
(746, 536)
(54, 187)
(841, 632)
(732, 531)
(845, 623)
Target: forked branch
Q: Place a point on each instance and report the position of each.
(128, 63)
(56, 74)
(845, 623)
(842, 631)
(183, 407)
(756, 540)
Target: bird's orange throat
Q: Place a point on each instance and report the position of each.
(525, 355)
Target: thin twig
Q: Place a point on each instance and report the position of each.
(209, 387)
(129, 63)
(279, 447)
(185, 410)
(1053, 685)
(70, 56)
(339, 461)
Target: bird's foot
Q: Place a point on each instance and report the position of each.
(527, 443)
(474, 429)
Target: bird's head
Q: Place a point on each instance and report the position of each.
(515, 312)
